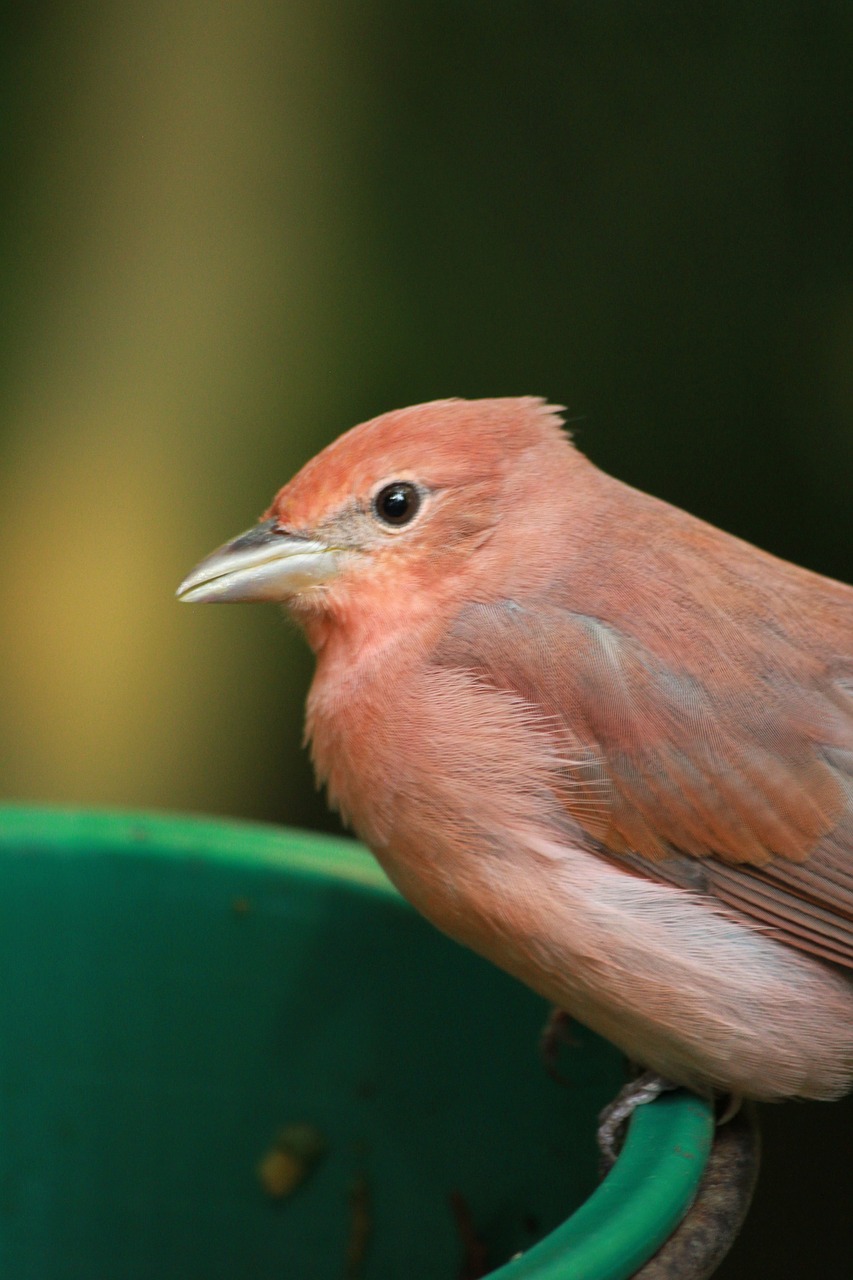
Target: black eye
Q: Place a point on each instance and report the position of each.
(397, 503)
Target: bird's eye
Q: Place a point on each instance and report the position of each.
(397, 503)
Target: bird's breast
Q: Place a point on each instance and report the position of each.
(452, 783)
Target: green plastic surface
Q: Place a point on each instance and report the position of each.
(175, 991)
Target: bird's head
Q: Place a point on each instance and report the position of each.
(393, 511)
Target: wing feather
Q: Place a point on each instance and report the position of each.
(741, 787)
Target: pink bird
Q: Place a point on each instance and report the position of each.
(602, 743)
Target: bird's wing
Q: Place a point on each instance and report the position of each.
(746, 795)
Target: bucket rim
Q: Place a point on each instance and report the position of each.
(650, 1188)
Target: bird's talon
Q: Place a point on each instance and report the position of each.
(636, 1093)
(554, 1034)
(730, 1105)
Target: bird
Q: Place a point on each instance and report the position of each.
(599, 741)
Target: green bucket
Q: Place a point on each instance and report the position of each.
(177, 992)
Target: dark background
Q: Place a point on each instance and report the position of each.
(229, 232)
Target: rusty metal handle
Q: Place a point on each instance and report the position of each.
(701, 1241)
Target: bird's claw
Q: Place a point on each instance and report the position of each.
(645, 1088)
(554, 1034)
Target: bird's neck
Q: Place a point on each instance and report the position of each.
(351, 705)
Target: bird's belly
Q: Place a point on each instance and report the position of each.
(681, 988)
(459, 811)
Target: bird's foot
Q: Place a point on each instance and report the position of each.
(728, 1106)
(636, 1093)
(555, 1033)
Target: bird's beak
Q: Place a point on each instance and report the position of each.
(267, 563)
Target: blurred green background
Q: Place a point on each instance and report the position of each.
(231, 231)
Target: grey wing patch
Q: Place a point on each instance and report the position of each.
(756, 813)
